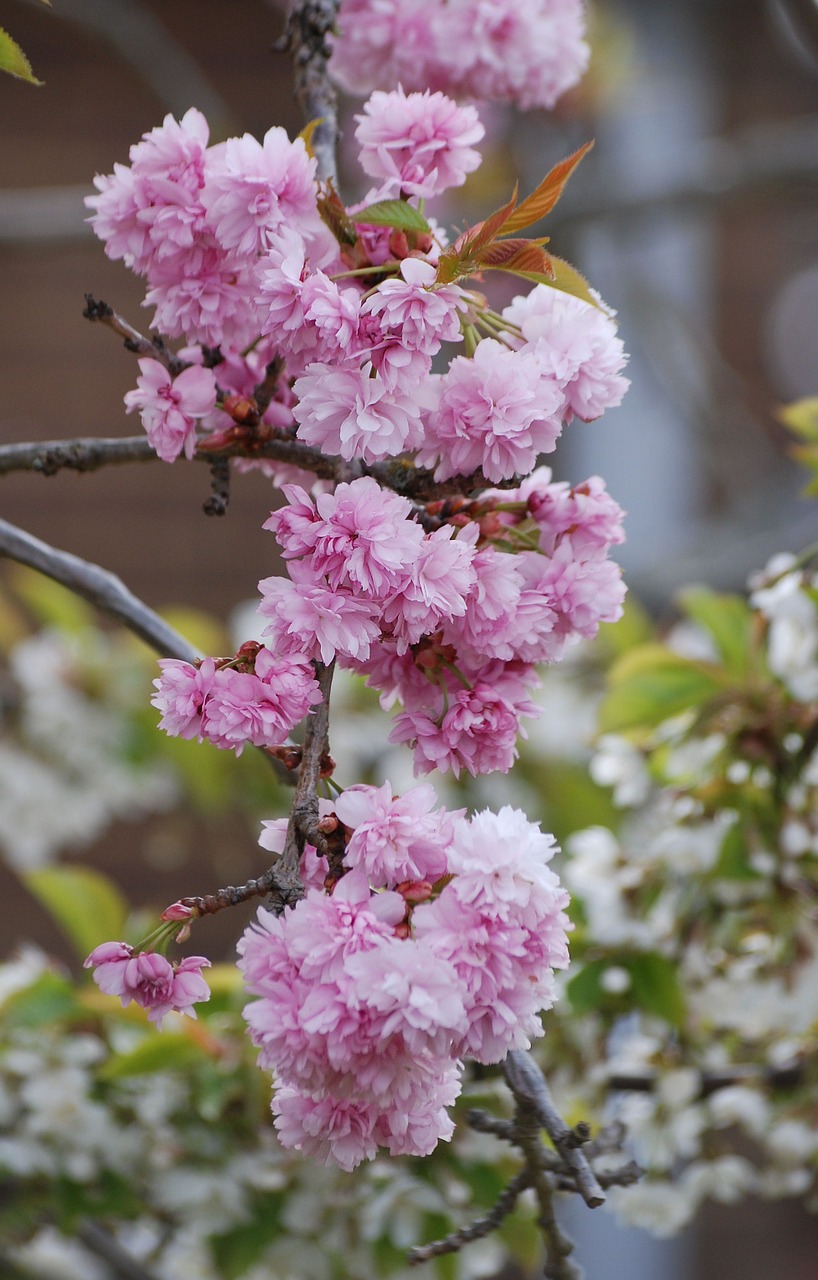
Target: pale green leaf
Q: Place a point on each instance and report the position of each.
(168, 1051)
(565, 278)
(392, 213)
(87, 906)
(727, 619)
(650, 684)
(14, 61)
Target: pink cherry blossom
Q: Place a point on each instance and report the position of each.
(152, 208)
(576, 345)
(253, 187)
(169, 406)
(421, 315)
(181, 692)
(360, 536)
(349, 412)
(420, 143)
(473, 728)
(395, 839)
(497, 412)
(149, 979)
(529, 53)
(440, 579)
(307, 617)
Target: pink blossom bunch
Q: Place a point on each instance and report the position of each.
(230, 704)
(193, 219)
(418, 143)
(529, 53)
(149, 980)
(360, 567)
(170, 407)
(368, 997)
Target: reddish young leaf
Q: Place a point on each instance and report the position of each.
(333, 213)
(501, 253)
(542, 201)
(528, 262)
(562, 276)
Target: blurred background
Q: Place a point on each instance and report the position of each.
(695, 217)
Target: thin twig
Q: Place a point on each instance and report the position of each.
(123, 1264)
(288, 887)
(97, 585)
(528, 1085)
(475, 1230)
(134, 340)
(305, 39)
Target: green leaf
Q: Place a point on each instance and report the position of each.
(585, 989)
(656, 986)
(565, 278)
(48, 1000)
(52, 604)
(392, 213)
(165, 1051)
(542, 200)
(237, 1250)
(727, 619)
(88, 907)
(733, 861)
(801, 417)
(650, 684)
(14, 61)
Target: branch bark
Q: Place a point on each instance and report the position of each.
(306, 40)
(101, 588)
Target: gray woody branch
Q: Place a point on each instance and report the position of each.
(306, 40)
(564, 1166)
(97, 585)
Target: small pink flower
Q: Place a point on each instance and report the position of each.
(497, 411)
(395, 839)
(181, 692)
(149, 979)
(420, 143)
(306, 617)
(169, 407)
(421, 315)
(348, 412)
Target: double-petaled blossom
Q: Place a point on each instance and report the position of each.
(528, 53)
(418, 144)
(233, 707)
(149, 980)
(171, 406)
(365, 1002)
(496, 412)
(576, 346)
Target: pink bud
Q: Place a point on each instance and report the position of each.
(178, 911)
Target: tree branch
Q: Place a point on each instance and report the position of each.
(104, 1246)
(305, 38)
(530, 1090)
(134, 341)
(90, 453)
(97, 585)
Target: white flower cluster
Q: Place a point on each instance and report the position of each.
(64, 767)
(178, 1165)
(699, 945)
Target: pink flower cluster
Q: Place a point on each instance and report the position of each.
(149, 979)
(446, 621)
(528, 52)
(439, 942)
(256, 698)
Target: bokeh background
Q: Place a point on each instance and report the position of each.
(695, 216)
